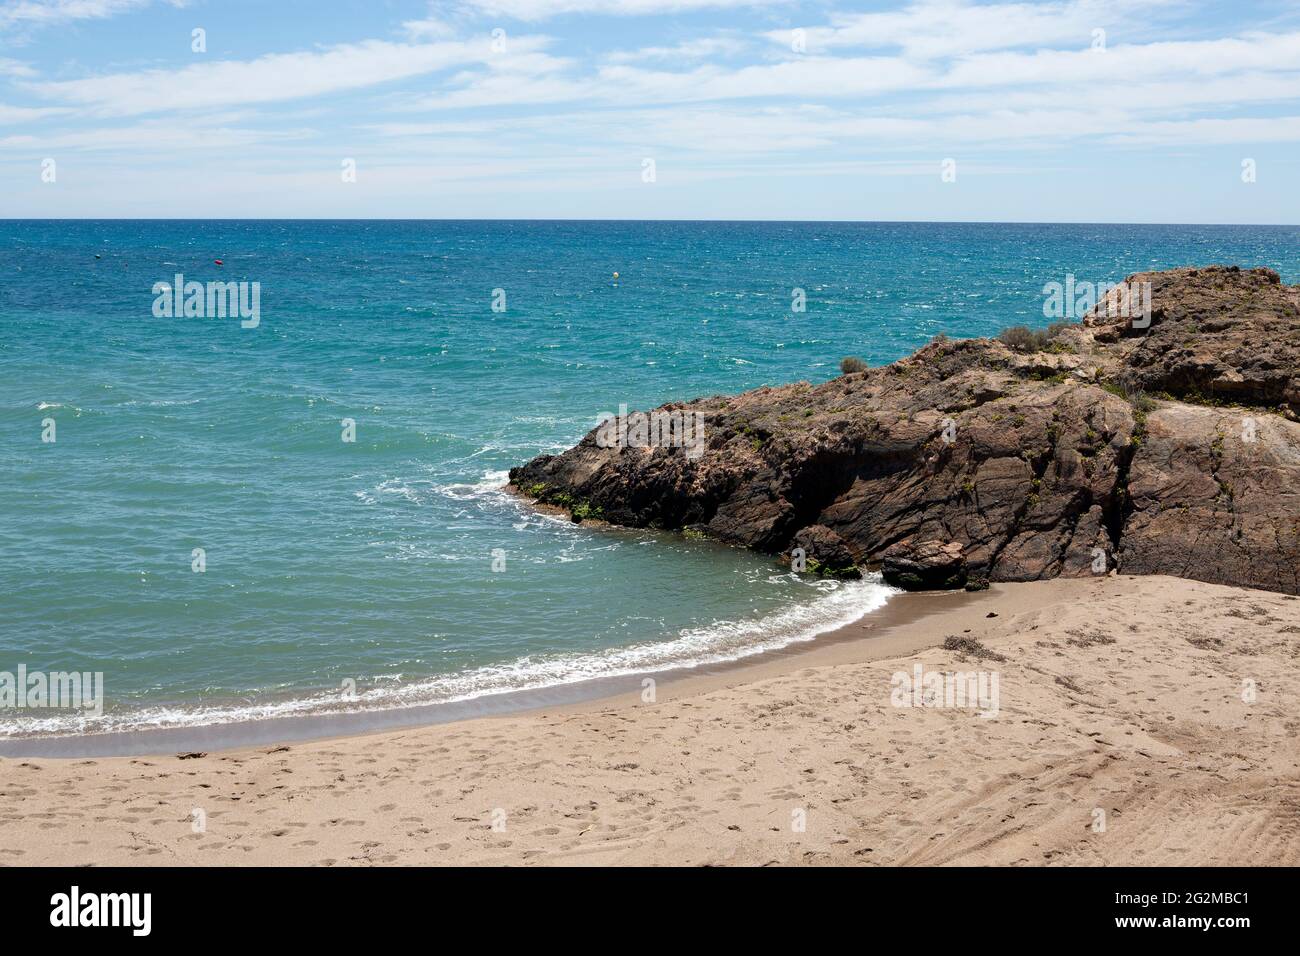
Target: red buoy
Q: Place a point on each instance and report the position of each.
(218, 262)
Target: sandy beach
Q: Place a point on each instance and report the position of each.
(1140, 720)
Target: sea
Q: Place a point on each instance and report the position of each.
(238, 517)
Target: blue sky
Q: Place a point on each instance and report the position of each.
(1065, 110)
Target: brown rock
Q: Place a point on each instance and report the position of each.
(925, 565)
(1058, 462)
(826, 552)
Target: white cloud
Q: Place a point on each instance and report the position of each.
(701, 49)
(1211, 131)
(534, 10)
(1165, 96)
(271, 78)
(813, 77)
(515, 78)
(153, 139)
(54, 12)
(430, 28)
(23, 114)
(15, 68)
(944, 28)
(732, 133)
(1168, 75)
(1189, 60)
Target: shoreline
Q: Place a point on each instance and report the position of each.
(899, 610)
(1121, 699)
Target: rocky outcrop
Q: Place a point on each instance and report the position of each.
(1171, 447)
(926, 565)
(1219, 333)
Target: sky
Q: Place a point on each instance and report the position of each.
(938, 110)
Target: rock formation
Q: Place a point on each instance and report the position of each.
(1163, 447)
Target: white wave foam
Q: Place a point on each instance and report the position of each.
(399, 487)
(492, 483)
(416, 490)
(720, 642)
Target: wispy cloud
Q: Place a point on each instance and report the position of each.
(15, 68)
(1161, 75)
(271, 78)
(25, 114)
(947, 28)
(430, 28)
(535, 10)
(156, 137)
(686, 51)
(37, 13)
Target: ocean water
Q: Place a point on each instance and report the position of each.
(333, 564)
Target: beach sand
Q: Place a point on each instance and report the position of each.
(1122, 737)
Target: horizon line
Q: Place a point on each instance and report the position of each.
(881, 222)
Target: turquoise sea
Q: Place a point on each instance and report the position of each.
(330, 563)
